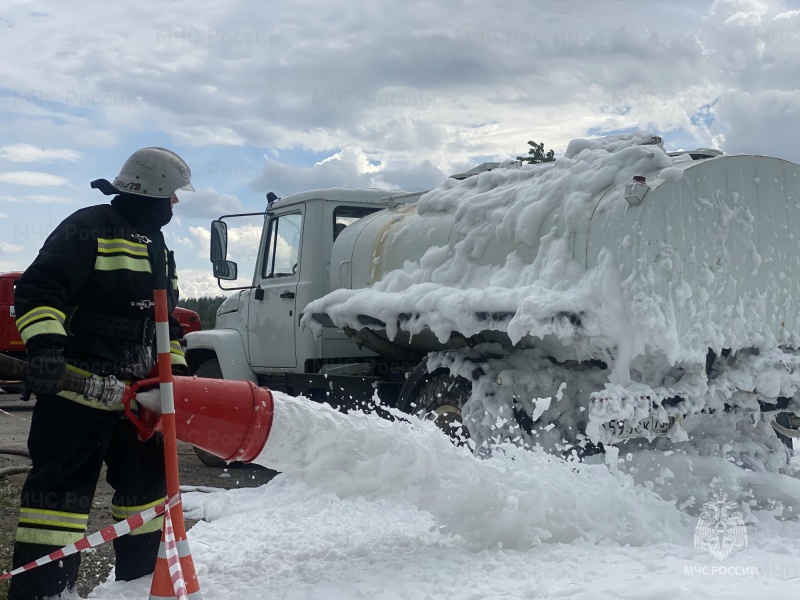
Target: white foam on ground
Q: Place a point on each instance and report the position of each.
(374, 509)
(516, 498)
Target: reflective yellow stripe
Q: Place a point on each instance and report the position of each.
(149, 527)
(45, 326)
(80, 399)
(123, 512)
(121, 245)
(78, 371)
(177, 359)
(116, 263)
(52, 522)
(31, 511)
(48, 537)
(42, 516)
(175, 346)
(40, 312)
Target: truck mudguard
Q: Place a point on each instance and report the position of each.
(226, 346)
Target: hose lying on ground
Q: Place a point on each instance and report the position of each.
(13, 470)
(16, 452)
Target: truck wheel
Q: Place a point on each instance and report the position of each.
(212, 370)
(438, 397)
(783, 420)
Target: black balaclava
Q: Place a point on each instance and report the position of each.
(147, 213)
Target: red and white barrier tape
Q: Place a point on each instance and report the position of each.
(100, 537)
(174, 560)
(5, 412)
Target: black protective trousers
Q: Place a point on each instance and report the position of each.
(68, 443)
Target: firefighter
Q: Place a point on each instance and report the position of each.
(85, 306)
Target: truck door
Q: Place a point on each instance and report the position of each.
(273, 318)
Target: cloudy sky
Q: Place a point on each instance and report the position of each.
(263, 96)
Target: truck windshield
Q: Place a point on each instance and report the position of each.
(283, 248)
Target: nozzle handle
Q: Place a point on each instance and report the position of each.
(146, 422)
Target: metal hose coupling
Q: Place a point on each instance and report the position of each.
(108, 390)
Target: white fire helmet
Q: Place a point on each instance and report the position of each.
(150, 172)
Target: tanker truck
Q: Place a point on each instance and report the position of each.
(619, 293)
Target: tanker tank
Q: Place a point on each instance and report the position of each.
(555, 256)
(677, 273)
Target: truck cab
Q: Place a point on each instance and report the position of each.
(258, 334)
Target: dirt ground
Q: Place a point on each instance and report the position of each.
(95, 564)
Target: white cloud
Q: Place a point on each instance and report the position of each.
(762, 123)
(207, 204)
(351, 167)
(414, 78)
(400, 96)
(244, 237)
(37, 199)
(29, 153)
(184, 241)
(425, 88)
(32, 178)
(203, 136)
(6, 248)
(789, 14)
(196, 283)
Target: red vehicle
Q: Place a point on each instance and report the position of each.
(189, 320)
(11, 343)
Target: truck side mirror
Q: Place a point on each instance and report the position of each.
(225, 269)
(219, 242)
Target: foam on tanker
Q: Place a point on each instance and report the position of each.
(450, 285)
(669, 298)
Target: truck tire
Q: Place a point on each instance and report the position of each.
(437, 397)
(212, 370)
(783, 420)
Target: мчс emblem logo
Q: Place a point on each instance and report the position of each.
(720, 527)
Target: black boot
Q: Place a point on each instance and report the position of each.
(50, 580)
(136, 555)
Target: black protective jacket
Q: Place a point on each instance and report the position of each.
(90, 290)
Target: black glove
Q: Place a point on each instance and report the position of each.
(46, 370)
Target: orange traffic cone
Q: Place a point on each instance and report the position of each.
(174, 576)
(229, 419)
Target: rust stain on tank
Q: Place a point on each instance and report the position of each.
(399, 213)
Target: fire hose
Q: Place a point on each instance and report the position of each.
(14, 469)
(108, 390)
